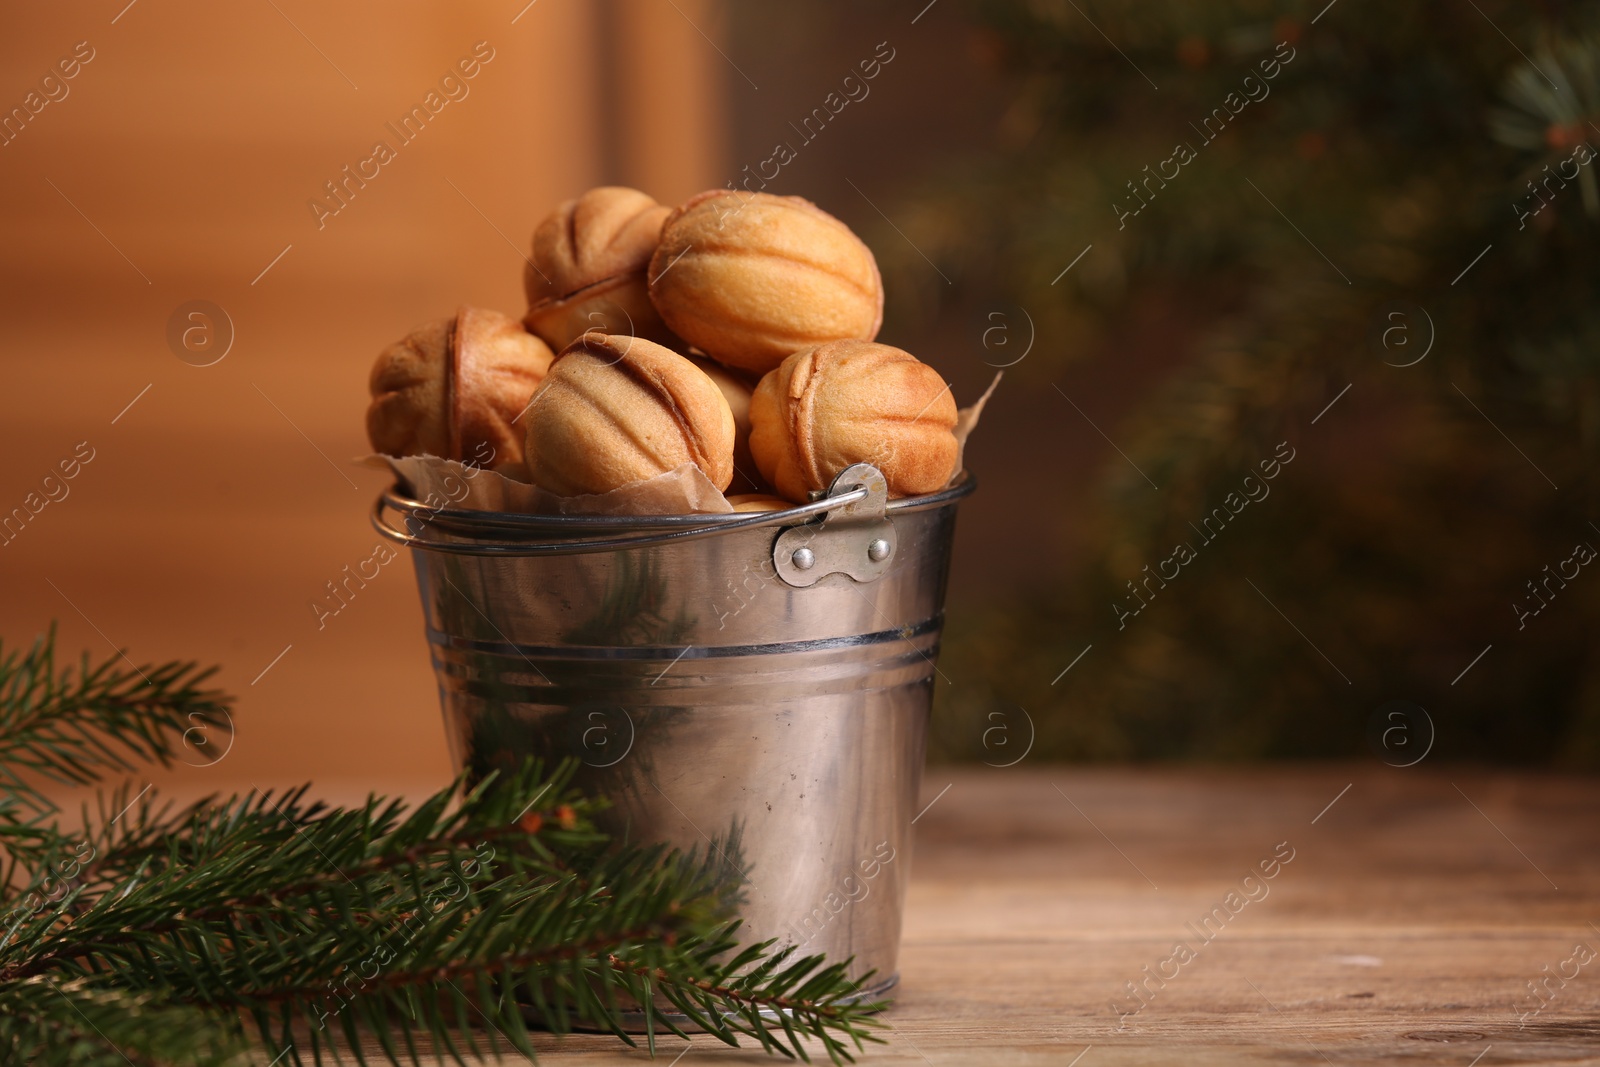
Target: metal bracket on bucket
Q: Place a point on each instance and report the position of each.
(856, 539)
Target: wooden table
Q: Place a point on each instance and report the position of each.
(1417, 908)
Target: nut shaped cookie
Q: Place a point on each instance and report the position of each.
(618, 410)
(456, 388)
(749, 278)
(587, 270)
(736, 390)
(849, 402)
(758, 502)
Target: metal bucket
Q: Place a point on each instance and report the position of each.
(754, 686)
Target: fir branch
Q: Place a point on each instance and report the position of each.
(358, 956)
(77, 1025)
(175, 935)
(733, 998)
(73, 724)
(248, 851)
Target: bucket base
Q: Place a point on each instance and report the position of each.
(634, 1021)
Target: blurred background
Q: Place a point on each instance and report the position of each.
(1295, 303)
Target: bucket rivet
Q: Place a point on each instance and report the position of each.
(804, 558)
(878, 550)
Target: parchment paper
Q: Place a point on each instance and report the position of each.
(967, 421)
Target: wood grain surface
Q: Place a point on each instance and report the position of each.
(1417, 908)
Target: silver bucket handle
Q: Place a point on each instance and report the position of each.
(859, 492)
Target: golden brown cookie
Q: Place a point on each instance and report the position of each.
(736, 390)
(749, 278)
(587, 271)
(853, 402)
(455, 389)
(758, 502)
(618, 410)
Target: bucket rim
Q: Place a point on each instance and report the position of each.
(505, 521)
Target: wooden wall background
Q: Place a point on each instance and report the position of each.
(177, 168)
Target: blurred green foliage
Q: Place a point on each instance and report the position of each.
(1396, 145)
